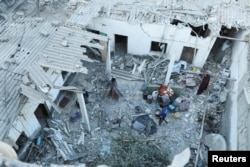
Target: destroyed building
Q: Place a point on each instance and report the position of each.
(52, 51)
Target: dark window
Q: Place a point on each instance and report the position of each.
(188, 54)
(201, 31)
(158, 47)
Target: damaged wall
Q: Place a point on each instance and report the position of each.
(141, 36)
(27, 122)
(235, 118)
(243, 107)
(30, 127)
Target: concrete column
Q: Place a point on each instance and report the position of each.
(248, 130)
(170, 68)
(203, 52)
(108, 62)
(104, 51)
(84, 113)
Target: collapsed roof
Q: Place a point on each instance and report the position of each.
(27, 40)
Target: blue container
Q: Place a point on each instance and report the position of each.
(39, 141)
(171, 108)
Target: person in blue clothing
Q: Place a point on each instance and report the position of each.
(163, 115)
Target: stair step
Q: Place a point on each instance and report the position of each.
(125, 75)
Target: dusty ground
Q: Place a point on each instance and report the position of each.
(174, 136)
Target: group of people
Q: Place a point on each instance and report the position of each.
(166, 96)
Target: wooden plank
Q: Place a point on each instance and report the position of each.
(31, 93)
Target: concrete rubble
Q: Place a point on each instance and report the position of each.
(76, 134)
(181, 131)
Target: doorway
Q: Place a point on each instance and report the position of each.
(188, 54)
(121, 43)
(21, 141)
(42, 114)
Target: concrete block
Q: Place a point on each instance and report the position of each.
(44, 33)
(65, 43)
(2, 39)
(20, 13)
(55, 23)
(26, 80)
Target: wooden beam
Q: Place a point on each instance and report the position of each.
(84, 113)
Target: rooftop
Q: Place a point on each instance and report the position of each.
(194, 12)
(21, 46)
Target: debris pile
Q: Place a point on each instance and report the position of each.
(135, 109)
(141, 106)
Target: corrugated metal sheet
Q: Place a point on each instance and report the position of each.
(66, 50)
(84, 14)
(14, 60)
(38, 76)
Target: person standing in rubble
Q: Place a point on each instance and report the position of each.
(112, 89)
(163, 115)
(204, 83)
(85, 96)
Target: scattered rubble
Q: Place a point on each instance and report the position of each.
(133, 99)
(70, 144)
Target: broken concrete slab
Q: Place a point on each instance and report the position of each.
(65, 43)
(215, 142)
(81, 139)
(181, 159)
